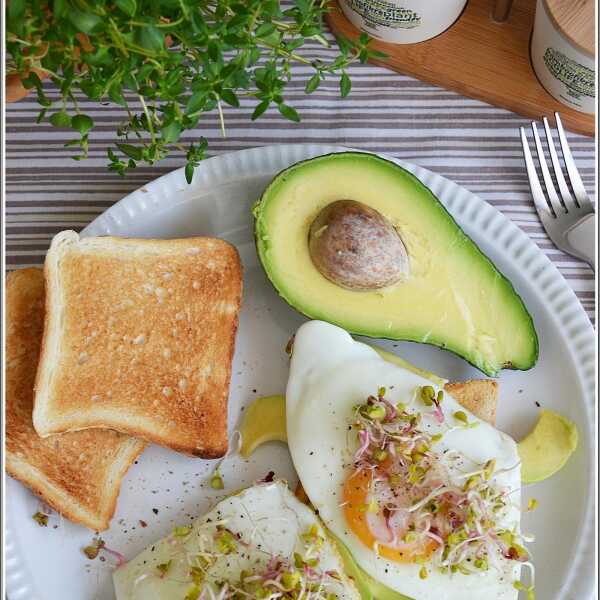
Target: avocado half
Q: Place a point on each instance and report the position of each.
(453, 297)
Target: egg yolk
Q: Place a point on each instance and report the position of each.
(355, 496)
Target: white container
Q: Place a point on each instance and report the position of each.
(562, 52)
(402, 21)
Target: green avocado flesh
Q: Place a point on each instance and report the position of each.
(369, 588)
(453, 297)
(547, 448)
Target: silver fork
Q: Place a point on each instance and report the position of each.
(569, 221)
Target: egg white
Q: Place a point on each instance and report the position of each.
(329, 374)
(265, 516)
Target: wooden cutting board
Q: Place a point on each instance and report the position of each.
(478, 58)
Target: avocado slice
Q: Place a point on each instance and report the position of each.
(263, 421)
(452, 296)
(369, 588)
(547, 447)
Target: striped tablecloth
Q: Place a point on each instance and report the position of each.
(467, 141)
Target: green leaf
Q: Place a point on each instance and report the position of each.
(265, 29)
(171, 132)
(241, 17)
(228, 70)
(344, 45)
(115, 94)
(16, 10)
(230, 97)
(145, 71)
(91, 89)
(195, 102)
(377, 54)
(82, 123)
(151, 38)
(255, 54)
(32, 80)
(189, 172)
(60, 119)
(274, 38)
(364, 39)
(311, 31)
(345, 85)
(313, 83)
(233, 39)
(214, 52)
(86, 22)
(129, 81)
(129, 7)
(198, 23)
(60, 9)
(101, 56)
(42, 98)
(303, 5)
(289, 112)
(261, 107)
(131, 151)
(294, 44)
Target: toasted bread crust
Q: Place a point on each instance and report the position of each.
(140, 338)
(64, 501)
(478, 396)
(78, 474)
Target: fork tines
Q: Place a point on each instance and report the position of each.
(551, 202)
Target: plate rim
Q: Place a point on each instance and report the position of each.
(544, 276)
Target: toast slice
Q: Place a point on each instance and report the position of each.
(78, 474)
(479, 396)
(139, 337)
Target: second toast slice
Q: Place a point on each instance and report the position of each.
(79, 474)
(139, 337)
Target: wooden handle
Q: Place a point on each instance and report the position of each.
(575, 20)
(501, 10)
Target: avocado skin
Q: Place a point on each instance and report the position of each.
(261, 236)
(369, 588)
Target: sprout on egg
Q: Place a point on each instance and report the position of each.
(181, 531)
(447, 525)
(163, 568)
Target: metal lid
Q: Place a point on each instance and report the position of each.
(575, 19)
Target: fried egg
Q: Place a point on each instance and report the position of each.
(330, 375)
(257, 535)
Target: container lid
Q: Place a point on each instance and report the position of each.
(575, 19)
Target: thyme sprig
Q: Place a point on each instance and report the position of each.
(166, 63)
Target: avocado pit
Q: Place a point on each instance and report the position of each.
(356, 247)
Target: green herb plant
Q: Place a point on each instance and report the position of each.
(167, 63)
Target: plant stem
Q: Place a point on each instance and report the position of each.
(221, 118)
(148, 119)
(281, 52)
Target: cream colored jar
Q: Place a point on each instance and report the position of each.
(402, 21)
(562, 51)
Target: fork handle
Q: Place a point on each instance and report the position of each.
(581, 238)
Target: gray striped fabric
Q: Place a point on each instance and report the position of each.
(467, 141)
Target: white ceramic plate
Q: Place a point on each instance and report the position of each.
(47, 563)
